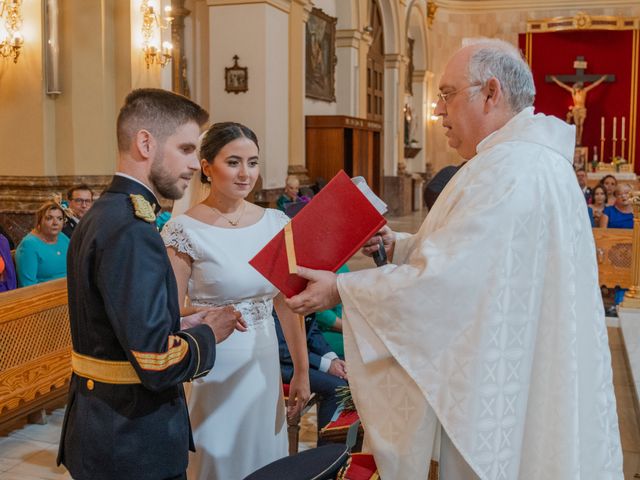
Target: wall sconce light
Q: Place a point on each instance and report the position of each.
(433, 117)
(11, 42)
(153, 54)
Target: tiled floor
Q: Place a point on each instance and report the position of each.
(30, 453)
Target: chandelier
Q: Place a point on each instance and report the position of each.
(153, 54)
(10, 22)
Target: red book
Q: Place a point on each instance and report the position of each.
(326, 233)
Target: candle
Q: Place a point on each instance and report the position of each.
(601, 128)
(623, 129)
(615, 120)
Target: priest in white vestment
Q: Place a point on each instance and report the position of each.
(483, 345)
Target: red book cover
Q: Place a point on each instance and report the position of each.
(326, 233)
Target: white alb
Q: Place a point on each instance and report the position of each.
(490, 324)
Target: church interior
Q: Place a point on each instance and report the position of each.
(326, 85)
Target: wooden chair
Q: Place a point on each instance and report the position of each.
(614, 252)
(35, 358)
(293, 424)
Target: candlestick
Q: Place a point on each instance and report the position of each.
(601, 128)
(614, 138)
(622, 134)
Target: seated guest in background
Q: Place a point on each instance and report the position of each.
(437, 184)
(581, 175)
(609, 183)
(330, 323)
(80, 200)
(326, 371)
(291, 193)
(8, 279)
(42, 255)
(620, 214)
(599, 199)
(3, 232)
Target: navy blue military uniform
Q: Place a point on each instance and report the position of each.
(127, 418)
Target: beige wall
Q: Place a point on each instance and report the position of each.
(22, 103)
(72, 133)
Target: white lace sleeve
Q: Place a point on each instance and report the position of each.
(281, 217)
(173, 235)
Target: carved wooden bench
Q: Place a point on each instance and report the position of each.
(35, 351)
(614, 252)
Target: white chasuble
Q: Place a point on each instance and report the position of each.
(490, 323)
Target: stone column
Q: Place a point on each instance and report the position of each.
(421, 113)
(179, 81)
(298, 16)
(349, 44)
(365, 43)
(258, 32)
(393, 86)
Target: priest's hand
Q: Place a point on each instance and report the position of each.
(321, 292)
(388, 239)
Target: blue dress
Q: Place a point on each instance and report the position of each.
(39, 262)
(618, 219)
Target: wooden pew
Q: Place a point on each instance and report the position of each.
(614, 254)
(35, 352)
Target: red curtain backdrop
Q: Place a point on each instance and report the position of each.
(606, 52)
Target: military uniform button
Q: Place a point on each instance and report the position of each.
(90, 384)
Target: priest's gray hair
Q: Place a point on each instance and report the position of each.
(500, 59)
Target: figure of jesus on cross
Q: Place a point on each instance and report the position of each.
(578, 112)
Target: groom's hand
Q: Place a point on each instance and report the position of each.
(321, 292)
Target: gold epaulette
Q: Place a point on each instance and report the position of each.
(142, 208)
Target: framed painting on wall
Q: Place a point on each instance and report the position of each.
(320, 68)
(236, 78)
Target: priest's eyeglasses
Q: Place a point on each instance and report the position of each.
(446, 97)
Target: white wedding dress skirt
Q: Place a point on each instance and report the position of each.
(237, 410)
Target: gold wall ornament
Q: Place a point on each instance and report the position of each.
(142, 208)
(583, 21)
(155, 54)
(11, 39)
(432, 8)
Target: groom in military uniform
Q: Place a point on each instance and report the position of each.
(126, 414)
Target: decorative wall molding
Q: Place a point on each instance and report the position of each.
(24, 194)
(583, 21)
(284, 5)
(477, 6)
(20, 197)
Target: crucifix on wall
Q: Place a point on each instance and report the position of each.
(578, 112)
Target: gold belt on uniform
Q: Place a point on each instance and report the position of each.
(104, 371)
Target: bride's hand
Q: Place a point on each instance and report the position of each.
(299, 393)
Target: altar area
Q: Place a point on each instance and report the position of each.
(591, 81)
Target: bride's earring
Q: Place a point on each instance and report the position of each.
(209, 179)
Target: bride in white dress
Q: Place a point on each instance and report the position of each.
(237, 411)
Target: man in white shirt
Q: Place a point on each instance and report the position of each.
(483, 345)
